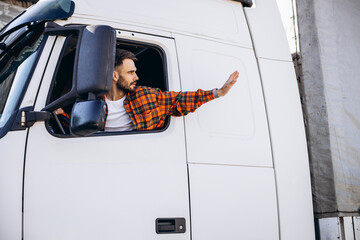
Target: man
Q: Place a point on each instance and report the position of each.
(132, 107)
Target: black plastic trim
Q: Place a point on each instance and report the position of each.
(246, 3)
(170, 225)
(8, 125)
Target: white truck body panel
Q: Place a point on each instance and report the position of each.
(216, 19)
(289, 150)
(235, 169)
(267, 33)
(229, 133)
(11, 184)
(230, 196)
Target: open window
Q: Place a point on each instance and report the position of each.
(151, 64)
(151, 69)
(61, 85)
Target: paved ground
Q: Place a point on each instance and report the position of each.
(8, 12)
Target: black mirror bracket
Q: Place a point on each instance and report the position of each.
(26, 118)
(91, 96)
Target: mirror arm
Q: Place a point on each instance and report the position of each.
(91, 96)
(26, 117)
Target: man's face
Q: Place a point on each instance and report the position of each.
(126, 76)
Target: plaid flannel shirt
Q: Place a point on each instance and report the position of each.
(148, 107)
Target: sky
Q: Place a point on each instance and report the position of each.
(286, 12)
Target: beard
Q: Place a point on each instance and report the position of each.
(121, 86)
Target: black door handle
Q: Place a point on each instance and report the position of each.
(170, 225)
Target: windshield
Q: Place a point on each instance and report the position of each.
(15, 70)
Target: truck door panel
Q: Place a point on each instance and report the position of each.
(233, 203)
(106, 186)
(231, 171)
(12, 151)
(232, 126)
(11, 170)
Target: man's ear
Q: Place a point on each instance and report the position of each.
(115, 76)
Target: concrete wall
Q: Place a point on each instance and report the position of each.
(8, 12)
(330, 83)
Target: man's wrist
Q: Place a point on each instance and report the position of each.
(220, 92)
(215, 92)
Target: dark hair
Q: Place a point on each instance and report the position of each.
(122, 54)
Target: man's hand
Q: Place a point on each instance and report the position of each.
(59, 111)
(228, 84)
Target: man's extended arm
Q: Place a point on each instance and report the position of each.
(182, 103)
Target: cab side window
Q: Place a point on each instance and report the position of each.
(61, 85)
(62, 82)
(151, 69)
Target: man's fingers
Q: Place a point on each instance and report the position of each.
(233, 77)
(228, 84)
(59, 111)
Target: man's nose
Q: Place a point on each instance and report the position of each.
(136, 77)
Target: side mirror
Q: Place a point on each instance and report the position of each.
(96, 60)
(92, 75)
(87, 117)
(93, 65)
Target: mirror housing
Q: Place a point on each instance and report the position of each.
(94, 62)
(87, 117)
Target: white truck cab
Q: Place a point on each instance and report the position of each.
(237, 168)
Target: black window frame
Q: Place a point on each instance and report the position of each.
(130, 44)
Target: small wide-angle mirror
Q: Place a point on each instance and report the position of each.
(88, 117)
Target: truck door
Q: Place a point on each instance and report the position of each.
(20, 75)
(121, 185)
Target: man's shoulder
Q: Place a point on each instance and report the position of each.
(146, 90)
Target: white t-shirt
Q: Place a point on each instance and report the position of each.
(118, 119)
